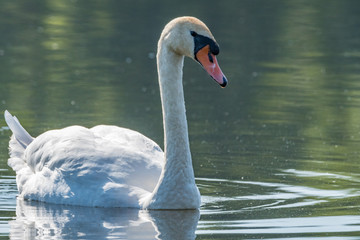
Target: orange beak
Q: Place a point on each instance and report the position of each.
(210, 64)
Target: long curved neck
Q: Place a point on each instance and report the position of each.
(176, 140)
(176, 188)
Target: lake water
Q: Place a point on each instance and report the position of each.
(276, 154)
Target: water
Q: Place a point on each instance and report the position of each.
(276, 153)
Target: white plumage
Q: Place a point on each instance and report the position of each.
(103, 166)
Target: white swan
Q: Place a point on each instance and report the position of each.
(109, 166)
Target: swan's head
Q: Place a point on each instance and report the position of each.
(190, 37)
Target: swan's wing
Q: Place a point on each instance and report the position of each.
(133, 140)
(103, 166)
(145, 158)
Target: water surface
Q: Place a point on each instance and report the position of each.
(276, 153)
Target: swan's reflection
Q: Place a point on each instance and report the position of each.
(50, 221)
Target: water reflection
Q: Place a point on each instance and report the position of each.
(51, 221)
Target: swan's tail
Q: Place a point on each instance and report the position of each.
(17, 145)
(20, 134)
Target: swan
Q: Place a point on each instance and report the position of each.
(109, 166)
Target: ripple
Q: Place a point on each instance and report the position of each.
(8, 192)
(302, 173)
(250, 195)
(4, 128)
(326, 224)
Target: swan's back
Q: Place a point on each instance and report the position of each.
(102, 166)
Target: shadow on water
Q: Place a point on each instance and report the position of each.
(51, 221)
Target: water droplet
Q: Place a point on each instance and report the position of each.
(40, 29)
(54, 46)
(128, 60)
(151, 55)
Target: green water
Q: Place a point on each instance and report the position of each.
(275, 153)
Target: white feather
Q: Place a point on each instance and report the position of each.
(20, 133)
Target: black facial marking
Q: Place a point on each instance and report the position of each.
(201, 41)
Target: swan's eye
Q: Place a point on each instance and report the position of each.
(210, 57)
(194, 34)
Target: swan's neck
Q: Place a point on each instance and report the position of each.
(176, 187)
(176, 140)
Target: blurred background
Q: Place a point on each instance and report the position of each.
(289, 115)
